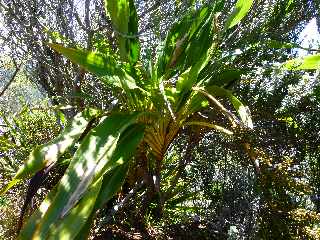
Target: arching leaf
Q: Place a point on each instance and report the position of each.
(240, 10)
(49, 153)
(95, 151)
(123, 15)
(242, 110)
(96, 63)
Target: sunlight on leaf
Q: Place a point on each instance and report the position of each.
(310, 62)
(240, 10)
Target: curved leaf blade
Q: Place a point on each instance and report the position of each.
(98, 145)
(96, 63)
(101, 65)
(240, 10)
(74, 221)
(49, 153)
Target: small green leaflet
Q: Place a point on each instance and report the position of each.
(239, 12)
(310, 62)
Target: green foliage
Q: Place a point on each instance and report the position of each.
(125, 22)
(95, 156)
(49, 153)
(94, 174)
(309, 62)
(240, 10)
(186, 89)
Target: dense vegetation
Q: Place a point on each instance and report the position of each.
(159, 120)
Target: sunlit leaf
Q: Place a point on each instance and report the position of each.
(310, 62)
(69, 226)
(112, 182)
(96, 63)
(49, 153)
(94, 153)
(240, 10)
(99, 64)
(125, 23)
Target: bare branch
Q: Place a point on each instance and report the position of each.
(11, 80)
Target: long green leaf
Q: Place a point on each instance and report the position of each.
(112, 181)
(310, 62)
(125, 149)
(172, 54)
(133, 45)
(189, 78)
(96, 63)
(101, 65)
(240, 10)
(204, 35)
(27, 231)
(125, 22)
(49, 153)
(198, 101)
(99, 145)
(69, 226)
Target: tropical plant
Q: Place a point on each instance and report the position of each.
(154, 104)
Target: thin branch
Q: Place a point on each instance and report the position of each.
(87, 16)
(11, 80)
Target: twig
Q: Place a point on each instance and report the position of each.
(11, 80)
